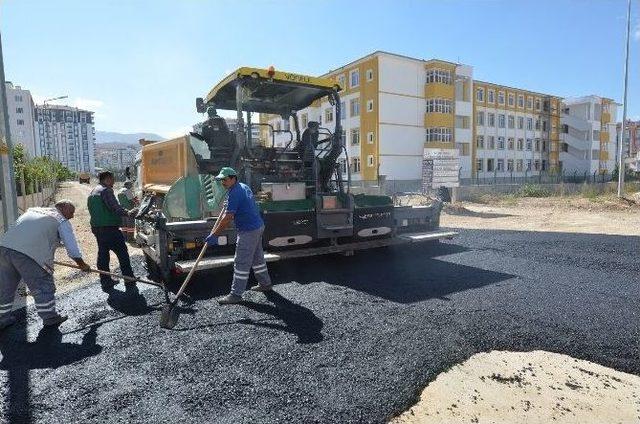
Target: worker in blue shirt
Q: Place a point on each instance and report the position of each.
(242, 209)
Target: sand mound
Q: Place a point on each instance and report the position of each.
(528, 387)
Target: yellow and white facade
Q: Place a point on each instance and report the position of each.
(588, 135)
(395, 109)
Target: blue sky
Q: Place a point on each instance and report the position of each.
(140, 64)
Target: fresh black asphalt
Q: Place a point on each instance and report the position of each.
(342, 339)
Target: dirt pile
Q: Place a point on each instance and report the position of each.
(532, 387)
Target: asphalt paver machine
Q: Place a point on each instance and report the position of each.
(303, 192)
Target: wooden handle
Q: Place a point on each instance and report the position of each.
(202, 251)
(124, 277)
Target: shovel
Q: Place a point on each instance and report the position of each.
(170, 314)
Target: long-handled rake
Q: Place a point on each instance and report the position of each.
(111, 274)
(170, 314)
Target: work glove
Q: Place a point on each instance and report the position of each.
(133, 212)
(83, 265)
(211, 240)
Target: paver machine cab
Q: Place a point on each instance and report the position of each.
(300, 188)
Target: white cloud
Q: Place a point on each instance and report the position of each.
(89, 104)
(178, 132)
(79, 102)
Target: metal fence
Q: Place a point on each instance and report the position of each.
(391, 187)
(540, 178)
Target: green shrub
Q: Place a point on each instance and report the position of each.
(533, 190)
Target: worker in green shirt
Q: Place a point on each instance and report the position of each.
(106, 218)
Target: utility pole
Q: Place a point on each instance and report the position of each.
(8, 182)
(624, 108)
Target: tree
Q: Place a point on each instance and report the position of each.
(43, 169)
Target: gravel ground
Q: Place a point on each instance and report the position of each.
(341, 339)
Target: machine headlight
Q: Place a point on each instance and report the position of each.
(222, 240)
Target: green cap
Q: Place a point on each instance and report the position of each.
(226, 172)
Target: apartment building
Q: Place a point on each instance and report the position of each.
(115, 156)
(66, 134)
(516, 131)
(631, 143)
(588, 135)
(21, 117)
(397, 110)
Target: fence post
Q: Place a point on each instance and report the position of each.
(23, 190)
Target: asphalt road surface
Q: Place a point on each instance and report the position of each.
(342, 339)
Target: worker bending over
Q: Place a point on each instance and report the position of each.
(26, 252)
(106, 218)
(242, 209)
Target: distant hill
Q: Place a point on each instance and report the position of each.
(115, 146)
(115, 137)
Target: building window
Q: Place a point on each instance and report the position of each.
(19, 110)
(341, 81)
(530, 124)
(439, 134)
(355, 136)
(490, 165)
(511, 121)
(328, 115)
(510, 143)
(511, 100)
(500, 165)
(596, 135)
(544, 125)
(544, 165)
(501, 143)
(20, 121)
(354, 78)
(480, 94)
(18, 98)
(343, 110)
(463, 148)
(510, 165)
(369, 74)
(501, 97)
(529, 106)
(537, 104)
(544, 145)
(439, 106)
(491, 119)
(480, 118)
(480, 142)
(462, 122)
(537, 145)
(500, 121)
(343, 166)
(370, 138)
(565, 147)
(537, 124)
(369, 105)
(439, 75)
(355, 165)
(520, 144)
(479, 164)
(519, 165)
(354, 105)
(370, 161)
(520, 101)
(491, 96)
(520, 122)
